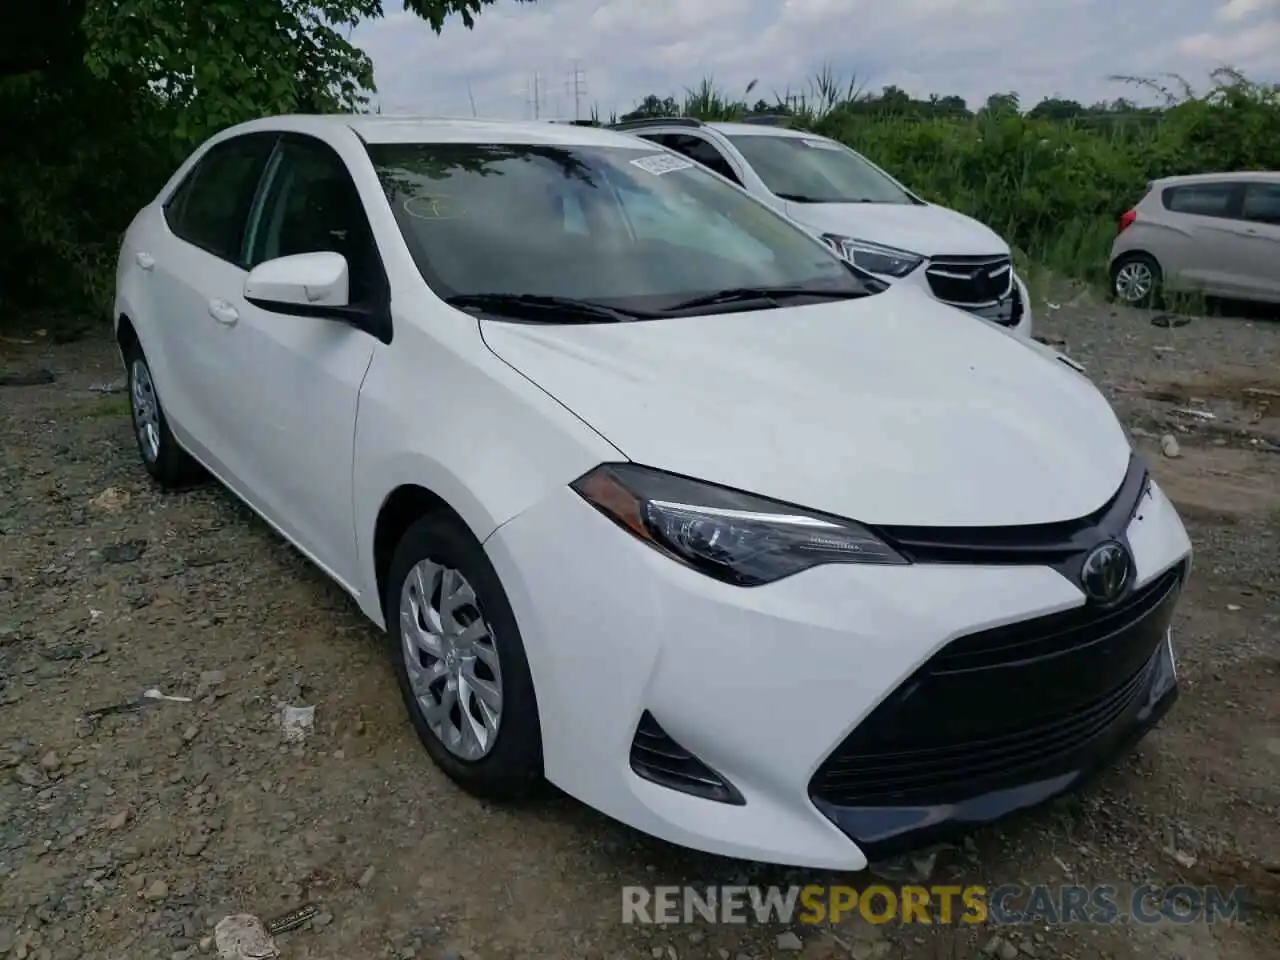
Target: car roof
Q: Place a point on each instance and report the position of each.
(1268, 176)
(388, 128)
(728, 128)
(761, 130)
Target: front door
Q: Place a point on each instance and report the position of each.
(1260, 239)
(299, 378)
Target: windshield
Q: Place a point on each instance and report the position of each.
(636, 229)
(816, 170)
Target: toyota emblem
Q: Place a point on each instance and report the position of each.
(1105, 573)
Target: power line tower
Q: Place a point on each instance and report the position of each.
(576, 87)
(534, 98)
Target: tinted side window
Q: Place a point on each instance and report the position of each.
(311, 205)
(210, 207)
(1201, 199)
(695, 148)
(1262, 203)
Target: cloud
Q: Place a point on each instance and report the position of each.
(1234, 11)
(626, 49)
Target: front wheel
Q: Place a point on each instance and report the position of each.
(460, 662)
(162, 456)
(1136, 280)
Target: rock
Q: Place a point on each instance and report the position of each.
(321, 920)
(28, 775)
(1169, 446)
(111, 500)
(156, 892)
(118, 821)
(27, 378)
(195, 846)
(127, 551)
(366, 878)
(789, 941)
(242, 936)
(50, 763)
(190, 733)
(1273, 746)
(213, 678)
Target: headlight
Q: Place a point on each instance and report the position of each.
(734, 537)
(872, 257)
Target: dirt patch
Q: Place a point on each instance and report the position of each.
(130, 834)
(1216, 485)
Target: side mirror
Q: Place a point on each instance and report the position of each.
(306, 280)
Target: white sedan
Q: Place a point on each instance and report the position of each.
(655, 495)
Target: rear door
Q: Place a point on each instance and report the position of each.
(197, 256)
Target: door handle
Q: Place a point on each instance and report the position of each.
(145, 260)
(223, 312)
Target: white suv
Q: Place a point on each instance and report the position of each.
(860, 209)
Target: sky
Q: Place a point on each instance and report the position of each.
(625, 49)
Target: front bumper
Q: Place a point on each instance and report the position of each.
(768, 687)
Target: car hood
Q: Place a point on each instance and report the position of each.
(927, 230)
(894, 409)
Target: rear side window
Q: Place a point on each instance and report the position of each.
(695, 148)
(1202, 199)
(1262, 203)
(210, 207)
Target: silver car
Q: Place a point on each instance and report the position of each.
(1216, 234)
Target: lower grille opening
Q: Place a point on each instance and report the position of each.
(954, 772)
(1005, 707)
(657, 757)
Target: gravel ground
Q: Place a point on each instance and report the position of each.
(130, 835)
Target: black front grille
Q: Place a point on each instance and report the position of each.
(657, 757)
(971, 281)
(995, 708)
(1008, 312)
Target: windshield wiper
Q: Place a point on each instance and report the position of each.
(746, 294)
(556, 309)
(805, 198)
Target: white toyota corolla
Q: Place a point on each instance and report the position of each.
(655, 495)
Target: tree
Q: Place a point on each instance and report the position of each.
(100, 99)
(653, 106)
(216, 62)
(1055, 108)
(1001, 105)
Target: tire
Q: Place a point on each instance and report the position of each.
(161, 454)
(507, 766)
(1136, 280)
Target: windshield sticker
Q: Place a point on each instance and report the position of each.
(661, 163)
(821, 144)
(432, 208)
